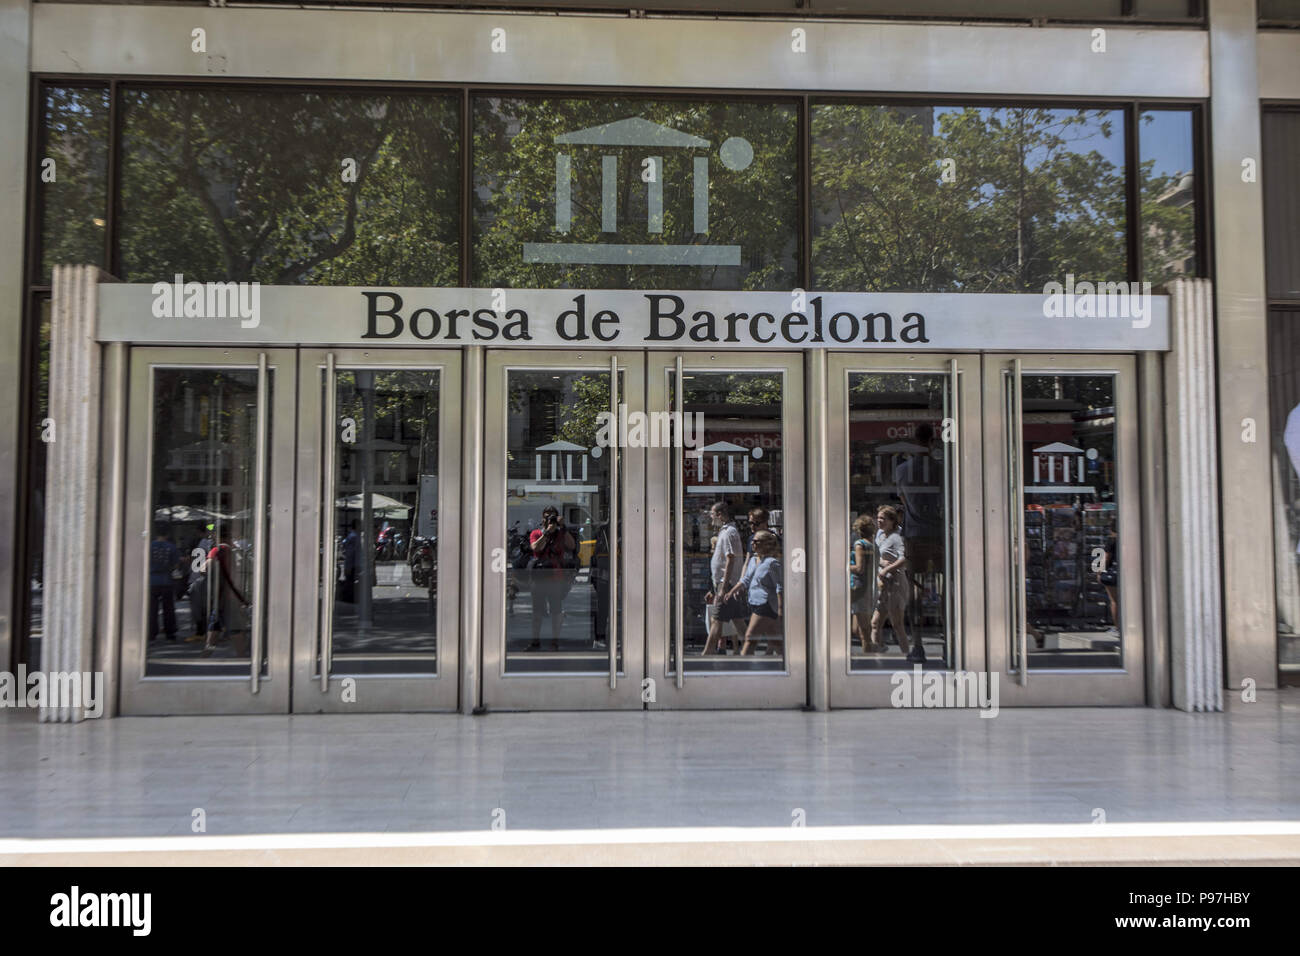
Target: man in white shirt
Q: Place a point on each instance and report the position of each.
(725, 569)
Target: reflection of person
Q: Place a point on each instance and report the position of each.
(891, 584)
(862, 578)
(724, 572)
(198, 589)
(762, 584)
(1109, 577)
(600, 562)
(163, 560)
(757, 522)
(549, 544)
(227, 614)
(921, 518)
(1291, 439)
(351, 551)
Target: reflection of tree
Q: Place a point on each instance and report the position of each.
(1027, 206)
(514, 196)
(233, 184)
(389, 405)
(73, 206)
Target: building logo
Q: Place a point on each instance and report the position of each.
(720, 468)
(735, 154)
(1059, 463)
(562, 466)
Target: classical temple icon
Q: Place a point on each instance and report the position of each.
(735, 153)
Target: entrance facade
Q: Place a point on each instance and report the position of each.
(313, 497)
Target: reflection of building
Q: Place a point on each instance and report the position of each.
(1175, 253)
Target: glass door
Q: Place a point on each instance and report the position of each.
(726, 560)
(904, 475)
(209, 526)
(564, 531)
(1063, 547)
(378, 531)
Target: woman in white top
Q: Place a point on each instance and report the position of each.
(891, 582)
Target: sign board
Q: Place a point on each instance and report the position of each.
(1078, 318)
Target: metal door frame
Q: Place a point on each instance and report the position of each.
(560, 691)
(374, 693)
(784, 689)
(262, 693)
(1125, 686)
(850, 688)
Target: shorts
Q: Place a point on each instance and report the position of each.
(764, 610)
(892, 597)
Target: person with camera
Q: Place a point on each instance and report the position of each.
(550, 544)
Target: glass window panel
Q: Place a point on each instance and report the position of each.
(72, 178)
(36, 463)
(897, 459)
(615, 193)
(732, 490)
(1279, 10)
(290, 188)
(557, 523)
(1284, 394)
(966, 199)
(386, 522)
(1281, 175)
(1168, 188)
(200, 552)
(1071, 517)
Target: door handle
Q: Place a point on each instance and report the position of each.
(612, 636)
(1016, 430)
(953, 563)
(327, 524)
(259, 527)
(679, 571)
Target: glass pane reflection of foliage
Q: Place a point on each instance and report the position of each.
(515, 180)
(1034, 194)
(73, 205)
(249, 185)
(1168, 188)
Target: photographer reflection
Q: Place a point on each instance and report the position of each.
(550, 544)
(763, 586)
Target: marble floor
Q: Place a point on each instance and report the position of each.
(143, 777)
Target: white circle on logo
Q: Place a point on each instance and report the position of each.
(597, 452)
(736, 153)
(1092, 454)
(756, 452)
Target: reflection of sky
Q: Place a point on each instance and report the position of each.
(1167, 138)
(1083, 138)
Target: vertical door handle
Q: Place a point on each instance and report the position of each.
(259, 526)
(954, 569)
(612, 542)
(1019, 567)
(679, 549)
(327, 524)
